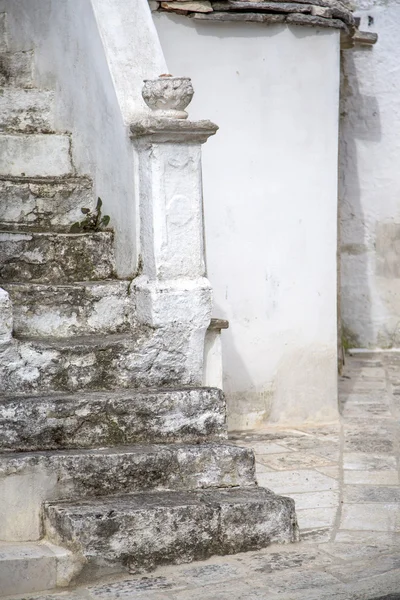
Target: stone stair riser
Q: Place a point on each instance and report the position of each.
(26, 110)
(27, 568)
(44, 204)
(62, 311)
(55, 257)
(16, 69)
(27, 480)
(91, 420)
(139, 358)
(35, 155)
(138, 532)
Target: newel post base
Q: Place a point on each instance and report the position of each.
(172, 293)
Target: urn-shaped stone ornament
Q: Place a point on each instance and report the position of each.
(168, 96)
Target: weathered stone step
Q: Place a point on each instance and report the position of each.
(52, 203)
(84, 473)
(79, 474)
(96, 419)
(64, 310)
(35, 155)
(55, 257)
(29, 567)
(16, 69)
(96, 362)
(135, 359)
(26, 110)
(140, 531)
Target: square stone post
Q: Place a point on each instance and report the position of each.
(172, 292)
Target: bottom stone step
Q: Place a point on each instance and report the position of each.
(33, 567)
(27, 479)
(138, 532)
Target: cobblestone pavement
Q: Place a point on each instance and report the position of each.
(345, 481)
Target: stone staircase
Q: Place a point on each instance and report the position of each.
(107, 462)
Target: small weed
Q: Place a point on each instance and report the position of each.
(93, 221)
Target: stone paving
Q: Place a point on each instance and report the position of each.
(345, 481)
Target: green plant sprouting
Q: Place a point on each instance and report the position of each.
(93, 221)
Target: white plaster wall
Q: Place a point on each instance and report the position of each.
(95, 54)
(370, 183)
(270, 192)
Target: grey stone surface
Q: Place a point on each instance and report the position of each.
(44, 203)
(143, 357)
(16, 69)
(35, 154)
(74, 309)
(55, 257)
(385, 517)
(26, 110)
(370, 494)
(137, 532)
(109, 419)
(26, 569)
(119, 470)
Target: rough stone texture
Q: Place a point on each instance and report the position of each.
(29, 479)
(138, 531)
(16, 69)
(6, 317)
(64, 310)
(26, 110)
(337, 13)
(291, 19)
(197, 6)
(35, 155)
(168, 96)
(118, 470)
(44, 203)
(55, 257)
(107, 419)
(144, 358)
(284, 7)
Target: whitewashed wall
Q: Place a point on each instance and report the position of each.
(370, 183)
(95, 54)
(270, 191)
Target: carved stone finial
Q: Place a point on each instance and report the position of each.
(168, 96)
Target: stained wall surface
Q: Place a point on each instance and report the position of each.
(370, 183)
(270, 192)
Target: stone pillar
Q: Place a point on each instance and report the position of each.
(172, 292)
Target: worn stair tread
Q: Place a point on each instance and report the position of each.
(95, 419)
(81, 473)
(35, 154)
(139, 531)
(26, 110)
(66, 309)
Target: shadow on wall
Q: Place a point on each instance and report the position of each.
(359, 122)
(249, 407)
